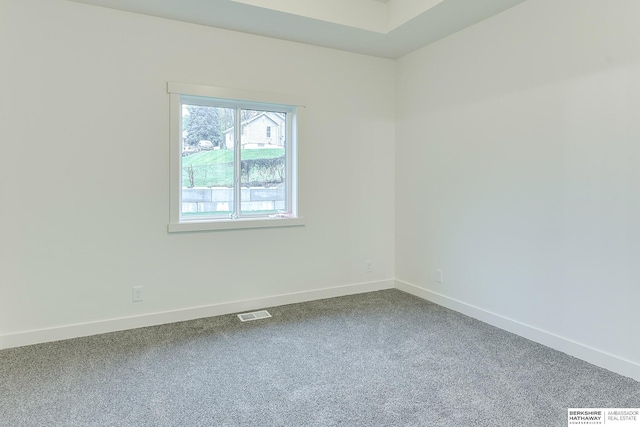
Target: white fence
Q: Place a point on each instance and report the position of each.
(220, 199)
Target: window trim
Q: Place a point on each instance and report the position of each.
(175, 91)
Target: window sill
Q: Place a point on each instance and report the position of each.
(234, 224)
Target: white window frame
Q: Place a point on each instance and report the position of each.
(241, 98)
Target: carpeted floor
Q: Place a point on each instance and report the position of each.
(379, 359)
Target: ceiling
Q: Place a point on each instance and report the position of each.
(384, 28)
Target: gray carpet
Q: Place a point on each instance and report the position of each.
(379, 359)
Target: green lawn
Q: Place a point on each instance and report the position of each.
(215, 168)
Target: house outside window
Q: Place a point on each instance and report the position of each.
(233, 161)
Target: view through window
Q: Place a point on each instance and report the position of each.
(235, 159)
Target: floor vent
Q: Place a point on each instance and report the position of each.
(254, 315)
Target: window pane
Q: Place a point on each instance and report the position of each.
(263, 162)
(207, 161)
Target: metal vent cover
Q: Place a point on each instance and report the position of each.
(254, 315)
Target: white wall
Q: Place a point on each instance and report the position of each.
(517, 173)
(84, 107)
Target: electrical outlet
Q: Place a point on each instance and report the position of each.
(137, 294)
(368, 266)
(438, 276)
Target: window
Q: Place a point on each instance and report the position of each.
(225, 173)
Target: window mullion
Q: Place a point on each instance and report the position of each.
(289, 159)
(237, 167)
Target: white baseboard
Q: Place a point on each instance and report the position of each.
(565, 345)
(111, 325)
(573, 348)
